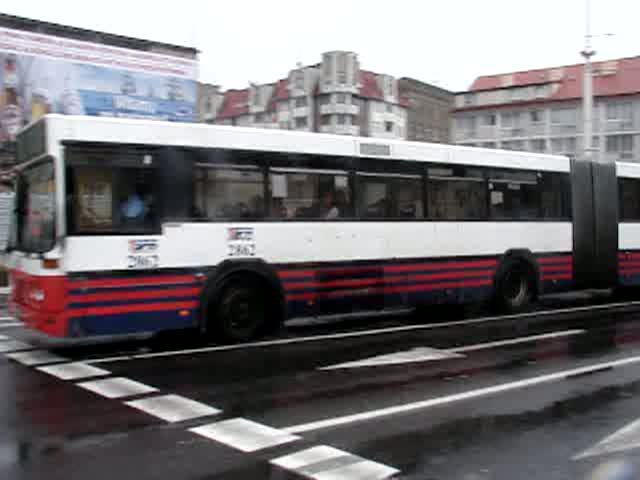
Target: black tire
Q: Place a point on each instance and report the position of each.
(515, 288)
(240, 311)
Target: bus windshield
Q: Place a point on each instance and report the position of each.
(35, 209)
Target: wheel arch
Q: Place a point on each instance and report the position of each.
(257, 268)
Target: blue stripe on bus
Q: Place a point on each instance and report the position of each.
(137, 322)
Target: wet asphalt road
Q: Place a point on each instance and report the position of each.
(527, 398)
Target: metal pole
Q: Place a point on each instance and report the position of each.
(587, 88)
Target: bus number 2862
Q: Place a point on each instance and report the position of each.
(242, 249)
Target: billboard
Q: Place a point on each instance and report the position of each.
(42, 74)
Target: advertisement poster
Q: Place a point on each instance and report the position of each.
(42, 74)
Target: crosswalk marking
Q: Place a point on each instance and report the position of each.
(117, 387)
(73, 371)
(173, 408)
(328, 463)
(244, 435)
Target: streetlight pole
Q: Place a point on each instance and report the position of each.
(587, 87)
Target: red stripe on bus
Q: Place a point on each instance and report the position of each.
(440, 266)
(362, 282)
(105, 297)
(559, 276)
(134, 307)
(390, 289)
(131, 281)
(630, 271)
(295, 273)
(633, 265)
(558, 259)
(555, 268)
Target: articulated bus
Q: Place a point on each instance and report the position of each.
(124, 226)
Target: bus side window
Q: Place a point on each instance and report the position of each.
(309, 195)
(514, 195)
(456, 194)
(629, 203)
(228, 192)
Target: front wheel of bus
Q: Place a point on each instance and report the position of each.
(240, 312)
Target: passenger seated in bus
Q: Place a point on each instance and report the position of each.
(278, 209)
(341, 204)
(133, 208)
(326, 208)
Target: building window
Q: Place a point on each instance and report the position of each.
(510, 120)
(466, 124)
(468, 99)
(540, 91)
(325, 120)
(259, 117)
(488, 144)
(389, 108)
(622, 145)
(388, 127)
(341, 119)
(563, 116)
(341, 98)
(301, 102)
(301, 122)
(517, 145)
(535, 116)
(538, 145)
(489, 120)
(256, 96)
(620, 111)
(327, 68)
(563, 146)
(342, 68)
(325, 99)
(299, 80)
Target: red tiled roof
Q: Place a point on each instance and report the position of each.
(612, 77)
(235, 103)
(369, 86)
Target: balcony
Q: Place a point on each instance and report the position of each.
(563, 129)
(487, 132)
(340, 129)
(536, 129)
(621, 125)
(512, 132)
(344, 108)
(462, 135)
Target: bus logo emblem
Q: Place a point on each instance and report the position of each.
(240, 234)
(143, 246)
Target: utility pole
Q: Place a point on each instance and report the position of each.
(587, 88)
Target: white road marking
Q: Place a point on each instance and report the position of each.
(11, 324)
(328, 463)
(425, 354)
(4, 319)
(73, 371)
(4, 338)
(481, 392)
(14, 345)
(36, 357)
(627, 438)
(244, 435)
(415, 355)
(363, 333)
(117, 387)
(173, 408)
(518, 340)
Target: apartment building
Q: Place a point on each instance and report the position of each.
(541, 110)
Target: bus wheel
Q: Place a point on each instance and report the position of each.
(240, 312)
(515, 288)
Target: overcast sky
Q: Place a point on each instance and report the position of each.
(446, 42)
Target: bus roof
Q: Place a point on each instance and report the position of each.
(153, 132)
